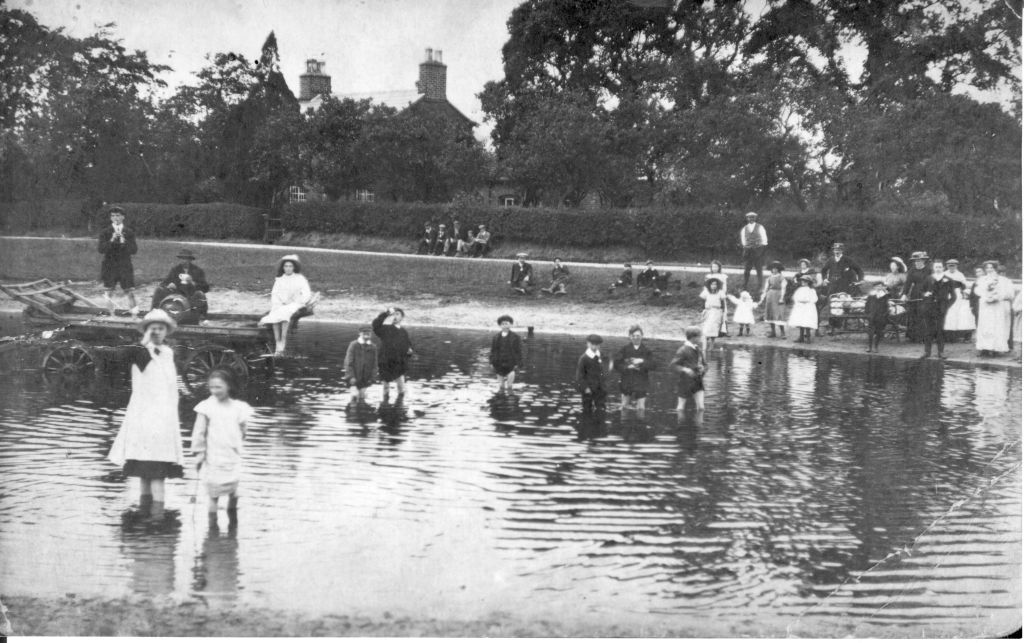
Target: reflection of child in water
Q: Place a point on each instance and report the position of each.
(217, 441)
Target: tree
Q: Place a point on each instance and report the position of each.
(338, 155)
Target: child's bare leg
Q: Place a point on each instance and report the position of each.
(277, 337)
(698, 401)
(211, 508)
(157, 513)
(641, 404)
(400, 383)
(284, 336)
(510, 380)
(131, 298)
(145, 494)
(681, 405)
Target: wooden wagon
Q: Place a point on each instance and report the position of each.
(88, 337)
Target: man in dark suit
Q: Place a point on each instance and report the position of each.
(117, 245)
(522, 275)
(840, 275)
(458, 239)
(428, 238)
(186, 279)
(443, 239)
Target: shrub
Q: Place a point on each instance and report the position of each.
(678, 235)
(204, 220)
(33, 215)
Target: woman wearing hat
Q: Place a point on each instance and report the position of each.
(148, 444)
(291, 293)
(896, 277)
(959, 321)
(186, 279)
(994, 311)
(913, 295)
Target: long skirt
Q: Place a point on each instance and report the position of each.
(774, 312)
(993, 326)
(959, 316)
(804, 315)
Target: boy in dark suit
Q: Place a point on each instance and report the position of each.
(625, 280)
(522, 275)
(590, 377)
(187, 279)
(876, 309)
(428, 239)
(117, 245)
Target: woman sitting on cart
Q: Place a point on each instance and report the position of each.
(290, 298)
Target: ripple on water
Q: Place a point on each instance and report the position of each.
(805, 473)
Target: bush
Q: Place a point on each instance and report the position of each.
(676, 235)
(203, 220)
(34, 215)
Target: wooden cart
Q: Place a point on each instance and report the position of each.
(849, 311)
(89, 338)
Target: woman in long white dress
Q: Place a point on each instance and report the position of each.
(994, 311)
(290, 294)
(959, 318)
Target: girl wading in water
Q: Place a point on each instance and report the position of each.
(148, 445)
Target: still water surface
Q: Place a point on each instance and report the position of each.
(815, 486)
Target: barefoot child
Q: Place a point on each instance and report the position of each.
(743, 314)
(148, 445)
(634, 362)
(395, 348)
(361, 364)
(690, 365)
(506, 354)
(217, 441)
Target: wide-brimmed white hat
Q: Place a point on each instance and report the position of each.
(292, 258)
(157, 316)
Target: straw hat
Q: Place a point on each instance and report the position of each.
(292, 258)
(920, 255)
(899, 262)
(157, 316)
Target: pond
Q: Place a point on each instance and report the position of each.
(815, 487)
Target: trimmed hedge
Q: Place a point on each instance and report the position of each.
(203, 220)
(672, 235)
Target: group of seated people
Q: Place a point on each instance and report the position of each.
(648, 277)
(522, 281)
(454, 241)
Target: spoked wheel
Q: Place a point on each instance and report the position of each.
(260, 358)
(69, 365)
(200, 361)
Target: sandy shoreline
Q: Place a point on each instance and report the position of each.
(555, 315)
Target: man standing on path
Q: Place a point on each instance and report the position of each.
(754, 239)
(117, 245)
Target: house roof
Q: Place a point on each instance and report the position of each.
(400, 99)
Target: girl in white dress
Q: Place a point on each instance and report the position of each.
(290, 294)
(743, 314)
(148, 444)
(714, 310)
(716, 272)
(804, 315)
(217, 441)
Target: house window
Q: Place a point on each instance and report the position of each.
(508, 201)
(296, 194)
(364, 196)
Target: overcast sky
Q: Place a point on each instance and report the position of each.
(369, 45)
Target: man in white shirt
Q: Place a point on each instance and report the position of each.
(754, 239)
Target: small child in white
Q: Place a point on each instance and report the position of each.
(744, 312)
(217, 441)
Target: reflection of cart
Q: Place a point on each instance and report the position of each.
(849, 310)
(90, 339)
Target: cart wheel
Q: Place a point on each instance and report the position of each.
(200, 361)
(260, 357)
(69, 363)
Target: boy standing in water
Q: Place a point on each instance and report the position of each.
(634, 362)
(690, 365)
(590, 376)
(117, 245)
(395, 349)
(506, 354)
(361, 364)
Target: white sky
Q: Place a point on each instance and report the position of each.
(368, 45)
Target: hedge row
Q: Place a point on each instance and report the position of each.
(204, 220)
(668, 235)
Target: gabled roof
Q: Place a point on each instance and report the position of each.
(440, 108)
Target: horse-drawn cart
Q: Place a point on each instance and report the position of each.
(90, 339)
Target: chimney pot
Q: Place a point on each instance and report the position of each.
(430, 54)
(438, 58)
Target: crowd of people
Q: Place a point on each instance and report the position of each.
(932, 299)
(455, 240)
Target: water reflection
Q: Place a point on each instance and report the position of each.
(804, 471)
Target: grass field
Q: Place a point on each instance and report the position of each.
(382, 275)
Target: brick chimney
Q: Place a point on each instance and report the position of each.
(314, 82)
(433, 76)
